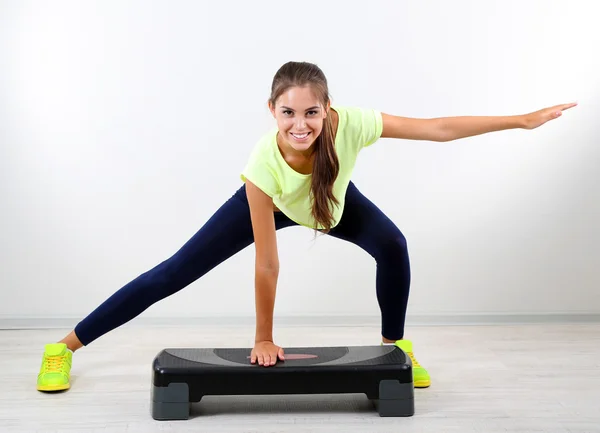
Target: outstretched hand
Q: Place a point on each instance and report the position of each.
(538, 118)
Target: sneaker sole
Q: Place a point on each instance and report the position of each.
(53, 387)
(422, 384)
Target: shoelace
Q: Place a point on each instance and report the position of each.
(54, 363)
(415, 363)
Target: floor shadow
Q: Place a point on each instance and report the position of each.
(282, 404)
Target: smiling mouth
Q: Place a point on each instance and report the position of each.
(300, 136)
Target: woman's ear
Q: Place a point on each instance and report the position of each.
(271, 108)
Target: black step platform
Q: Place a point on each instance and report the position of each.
(184, 376)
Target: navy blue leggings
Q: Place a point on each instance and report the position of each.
(229, 231)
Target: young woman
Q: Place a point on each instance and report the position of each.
(298, 174)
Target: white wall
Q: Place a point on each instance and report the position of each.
(124, 125)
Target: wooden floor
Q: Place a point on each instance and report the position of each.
(531, 378)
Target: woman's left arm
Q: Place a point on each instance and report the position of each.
(453, 128)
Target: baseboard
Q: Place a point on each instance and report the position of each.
(466, 319)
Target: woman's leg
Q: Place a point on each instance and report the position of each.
(365, 225)
(226, 233)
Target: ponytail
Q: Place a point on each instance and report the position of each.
(325, 171)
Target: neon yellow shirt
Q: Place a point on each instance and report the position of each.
(290, 190)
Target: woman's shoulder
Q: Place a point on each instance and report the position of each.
(352, 115)
(262, 155)
(265, 143)
(357, 123)
(262, 163)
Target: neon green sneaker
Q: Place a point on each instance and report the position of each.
(421, 377)
(56, 368)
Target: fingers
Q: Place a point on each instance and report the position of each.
(563, 107)
(266, 357)
(267, 360)
(557, 110)
(262, 359)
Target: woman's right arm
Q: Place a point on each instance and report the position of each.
(267, 260)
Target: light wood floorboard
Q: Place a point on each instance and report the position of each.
(531, 378)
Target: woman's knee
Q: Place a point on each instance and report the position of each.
(164, 279)
(392, 248)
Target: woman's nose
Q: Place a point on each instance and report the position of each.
(300, 123)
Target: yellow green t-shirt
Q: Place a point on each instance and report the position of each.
(290, 190)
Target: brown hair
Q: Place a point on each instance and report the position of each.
(326, 164)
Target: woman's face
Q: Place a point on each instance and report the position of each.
(299, 114)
